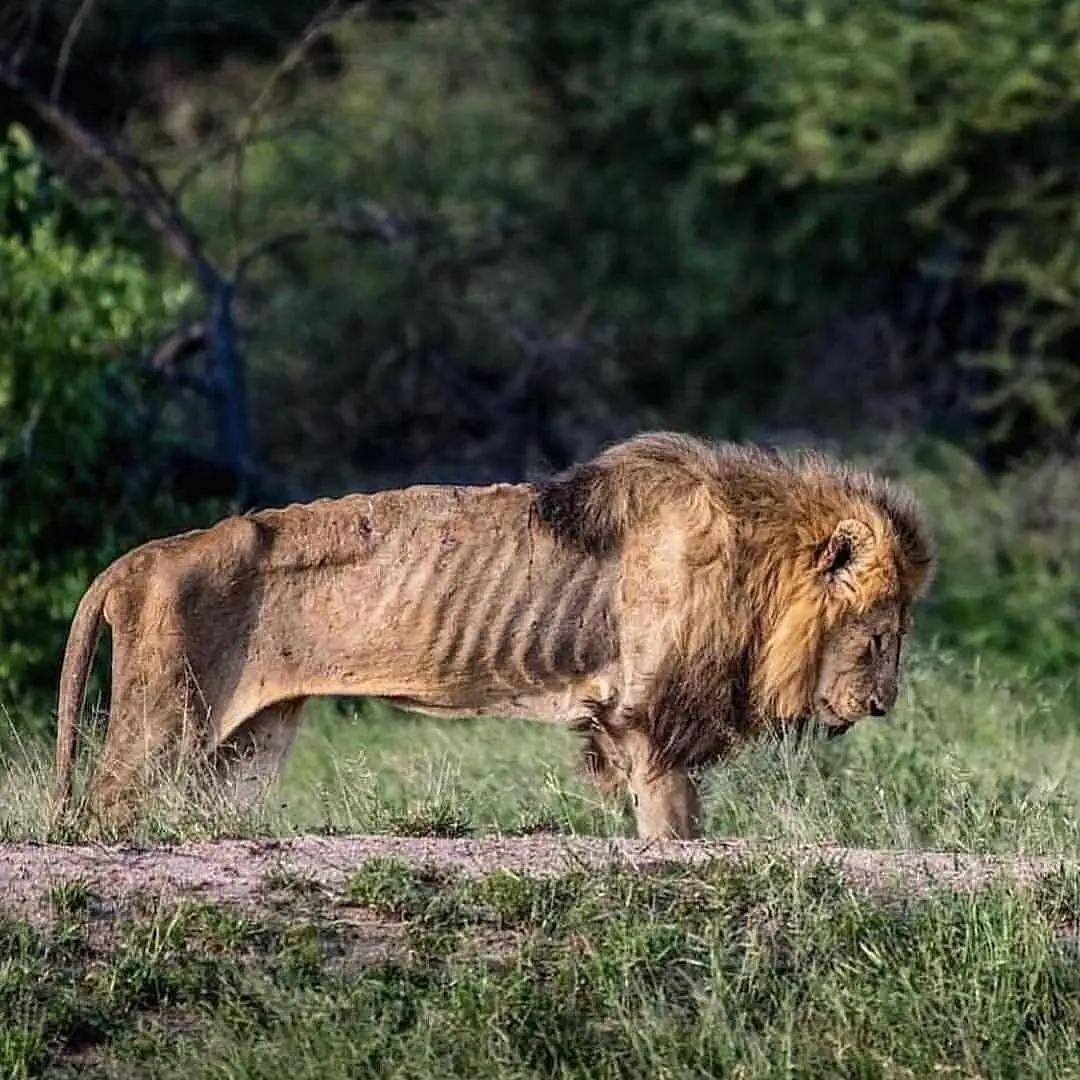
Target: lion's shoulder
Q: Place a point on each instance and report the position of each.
(781, 498)
(596, 504)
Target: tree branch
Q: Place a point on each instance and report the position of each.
(312, 32)
(375, 223)
(177, 347)
(136, 181)
(64, 57)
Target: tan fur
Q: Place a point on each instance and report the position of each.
(669, 598)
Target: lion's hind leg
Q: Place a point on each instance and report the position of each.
(138, 747)
(154, 708)
(253, 754)
(122, 778)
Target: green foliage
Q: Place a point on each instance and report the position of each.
(737, 173)
(961, 117)
(771, 968)
(74, 302)
(1009, 583)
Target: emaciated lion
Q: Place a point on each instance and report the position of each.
(669, 598)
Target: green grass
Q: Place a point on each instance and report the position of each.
(766, 969)
(760, 970)
(970, 761)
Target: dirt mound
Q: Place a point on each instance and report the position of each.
(238, 871)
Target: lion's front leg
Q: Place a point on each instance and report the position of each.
(667, 805)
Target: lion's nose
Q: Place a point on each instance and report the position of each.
(876, 707)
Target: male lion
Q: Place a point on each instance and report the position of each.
(669, 599)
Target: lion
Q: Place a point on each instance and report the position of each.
(668, 599)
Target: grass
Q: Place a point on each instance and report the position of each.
(759, 970)
(970, 761)
(765, 969)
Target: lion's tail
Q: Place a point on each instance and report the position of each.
(82, 643)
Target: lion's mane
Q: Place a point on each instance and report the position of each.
(752, 608)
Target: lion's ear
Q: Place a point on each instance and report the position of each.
(845, 550)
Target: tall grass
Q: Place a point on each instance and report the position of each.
(764, 969)
(969, 761)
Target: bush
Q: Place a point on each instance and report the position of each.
(733, 176)
(75, 303)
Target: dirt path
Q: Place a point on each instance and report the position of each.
(237, 871)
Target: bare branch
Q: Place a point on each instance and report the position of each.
(64, 58)
(135, 179)
(364, 213)
(281, 241)
(177, 347)
(221, 148)
(312, 33)
(31, 19)
(375, 223)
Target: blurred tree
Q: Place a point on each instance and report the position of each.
(80, 451)
(735, 176)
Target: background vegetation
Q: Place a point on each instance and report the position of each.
(252, 252)
(476, 240)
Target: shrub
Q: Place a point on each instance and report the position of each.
(76, 303)
(732, 176)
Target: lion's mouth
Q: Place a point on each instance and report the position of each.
(831, 721)
(813, 725)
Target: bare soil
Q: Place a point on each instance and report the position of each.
(247, 871)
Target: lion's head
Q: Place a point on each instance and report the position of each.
(843, 610)
(799, 576)
(859, 671)
(869, 576)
